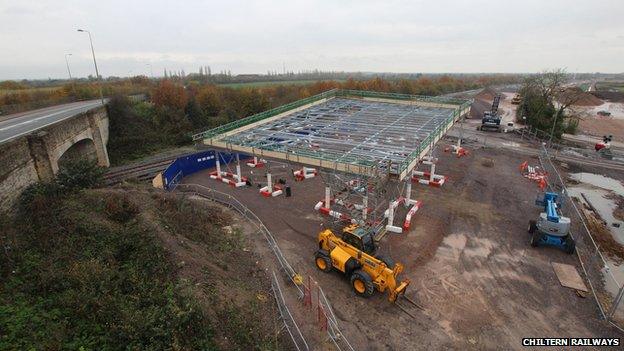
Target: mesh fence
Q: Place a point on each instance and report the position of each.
(600, 271)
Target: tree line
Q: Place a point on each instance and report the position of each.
(177, 108)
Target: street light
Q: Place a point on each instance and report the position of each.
(67, 63)
(97, 73)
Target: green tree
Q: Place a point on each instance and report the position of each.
(545, 101)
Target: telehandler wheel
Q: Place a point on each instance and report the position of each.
(387, 260)
(322, 260)
(570, 245)
(362, 283)
(535, 238)
(532, 226)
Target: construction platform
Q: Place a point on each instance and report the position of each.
(361, 132)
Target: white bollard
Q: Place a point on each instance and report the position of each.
(238, 169)
(327, 195)
(270, 185)
(218, 166)
(390, 213)
(432, 172)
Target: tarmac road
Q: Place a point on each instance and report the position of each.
(18, 124)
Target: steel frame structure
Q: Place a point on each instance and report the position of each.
(360, 132)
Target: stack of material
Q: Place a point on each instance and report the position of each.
(534, 173)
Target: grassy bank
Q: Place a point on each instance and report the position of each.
(131, 269)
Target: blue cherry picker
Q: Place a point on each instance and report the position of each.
(551, 228)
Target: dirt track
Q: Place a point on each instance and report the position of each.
(467, 256)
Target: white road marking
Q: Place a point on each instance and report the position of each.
(42, 117)
(46, 116)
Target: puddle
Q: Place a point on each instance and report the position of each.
(596, 188)
(615, 271)
(511, 144)
(599, 181)
(602, 204)
(572, 152)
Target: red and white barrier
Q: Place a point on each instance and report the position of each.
(324, 207)
(428, 178)
(410, 213)
(534, 173)
(256, 163)
(305, 173)
(276, 191)
(271, 190)
(389, 213)
(457, 150)
(425, 178)
(336, 214)
(235, 180)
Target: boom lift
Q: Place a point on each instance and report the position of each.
(354, 255)
(551, 228)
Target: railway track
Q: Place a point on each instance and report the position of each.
(142, 172)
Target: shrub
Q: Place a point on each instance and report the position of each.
(80, 174)
(120, 208)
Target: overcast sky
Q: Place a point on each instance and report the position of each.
(343, 35)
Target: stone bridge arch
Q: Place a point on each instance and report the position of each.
(84, 136)
(81, 149)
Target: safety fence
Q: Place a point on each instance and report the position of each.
(263, 115)
(606, 289)
(325, 315)
(287, 318)
(333, 332)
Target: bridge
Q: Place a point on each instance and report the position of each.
(35, 144)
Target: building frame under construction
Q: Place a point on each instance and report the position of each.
(358, 132)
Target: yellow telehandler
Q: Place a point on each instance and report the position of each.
(354, 255)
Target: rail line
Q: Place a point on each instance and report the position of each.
(141, 172)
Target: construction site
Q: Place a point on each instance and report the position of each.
(396, 227)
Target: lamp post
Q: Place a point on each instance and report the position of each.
(97, 73)
(67, 63)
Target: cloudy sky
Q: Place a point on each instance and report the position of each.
(359, 35)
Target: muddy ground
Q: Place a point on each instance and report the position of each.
(467, 255)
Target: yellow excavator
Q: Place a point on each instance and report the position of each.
(354, 255)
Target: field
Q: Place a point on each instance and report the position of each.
(28, 90)
(272, 83)
(610, 86)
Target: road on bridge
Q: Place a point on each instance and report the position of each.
(18, 124)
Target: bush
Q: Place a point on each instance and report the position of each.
(80, 174)
(120, 208)
(38, 196)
